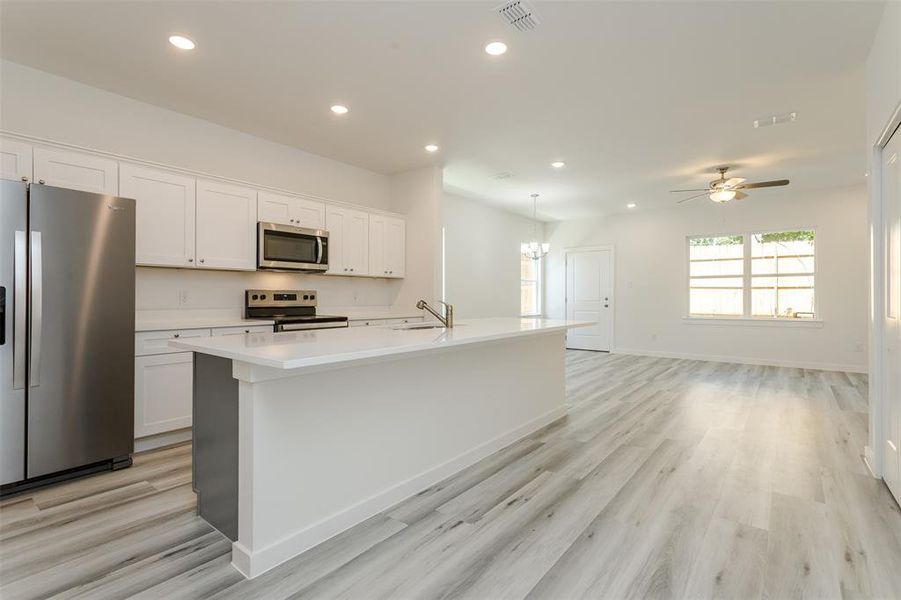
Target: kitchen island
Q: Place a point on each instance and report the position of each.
(301, 435)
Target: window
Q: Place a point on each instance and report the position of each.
(756, 275)
(529, 286)
(716, 275)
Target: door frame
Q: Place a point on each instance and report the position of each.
(874, 454)
(610, 314)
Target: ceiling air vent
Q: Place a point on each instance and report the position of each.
(518, 14)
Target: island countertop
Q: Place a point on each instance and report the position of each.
(298, 349)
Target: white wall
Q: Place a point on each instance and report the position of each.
(883, 91)
(43, 105)
(651, 278)
(417, 194)
(482, 257)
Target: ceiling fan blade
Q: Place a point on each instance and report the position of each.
(763, 184)
(692, 197)
(695, 190)
(735, 181)
(740, 195)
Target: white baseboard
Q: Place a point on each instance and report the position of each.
(161, 440)
(746, 360)
(254, 564)
(869, 458)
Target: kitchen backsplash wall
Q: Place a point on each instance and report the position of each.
(194, 289)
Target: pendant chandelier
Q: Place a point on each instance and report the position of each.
(535, 249)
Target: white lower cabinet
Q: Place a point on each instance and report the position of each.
(164, 392)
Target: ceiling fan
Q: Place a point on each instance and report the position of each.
(723, 190)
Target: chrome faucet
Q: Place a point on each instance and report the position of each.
(447, 320)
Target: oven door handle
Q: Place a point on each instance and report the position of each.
(302, 326)
(320, 249)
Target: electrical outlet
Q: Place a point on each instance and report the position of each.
(182, 297)
(356, 298)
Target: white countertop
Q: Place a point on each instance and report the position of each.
(297, 349)
(161, 320)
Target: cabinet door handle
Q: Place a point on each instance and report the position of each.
(190, 260)
(201, 260)
(41, 181)
(177, 335)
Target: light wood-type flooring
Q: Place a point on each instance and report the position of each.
(668, 479)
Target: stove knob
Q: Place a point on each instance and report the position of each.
(306, 296)
(312, 297)
(262, 296)
(255, 297)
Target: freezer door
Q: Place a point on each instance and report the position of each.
(13, 205)
(81, 368)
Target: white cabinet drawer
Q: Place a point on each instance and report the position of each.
(404, 320)
(367, 323)
(157, 342)
(241, 330)
(164, 393)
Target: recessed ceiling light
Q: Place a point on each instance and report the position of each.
(558, 164)
(339, 109)
(431, 148)
(631, 205)
(181, 42)
(496, 48)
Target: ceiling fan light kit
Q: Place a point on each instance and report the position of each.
(723, 190)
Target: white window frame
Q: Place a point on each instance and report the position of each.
(746, 318)
(539, 280)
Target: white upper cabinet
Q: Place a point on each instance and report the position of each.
(15, 160)
(348, 241)
(290, 210)
(387, 246)
(164, 215)
(76, 171)
(226, 226)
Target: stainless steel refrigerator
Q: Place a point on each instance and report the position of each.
(67, 282)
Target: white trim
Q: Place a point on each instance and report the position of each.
(769, 362)
(161, 440)
(191, 173)
(611, 314)
(253, 564)
(752, 321)
(877, 224)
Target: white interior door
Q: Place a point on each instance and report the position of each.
(891, 194)
(589, 297)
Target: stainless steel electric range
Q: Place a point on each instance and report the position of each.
(292, 310)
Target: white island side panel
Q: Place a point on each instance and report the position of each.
(321, 451)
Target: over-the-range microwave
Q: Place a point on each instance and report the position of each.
(288, 248)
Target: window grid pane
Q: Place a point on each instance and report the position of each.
(530, 286)
(716, 272)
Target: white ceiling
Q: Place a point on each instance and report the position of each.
(636, 97)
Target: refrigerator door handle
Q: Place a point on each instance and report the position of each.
(37, 275)
(19, 310)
